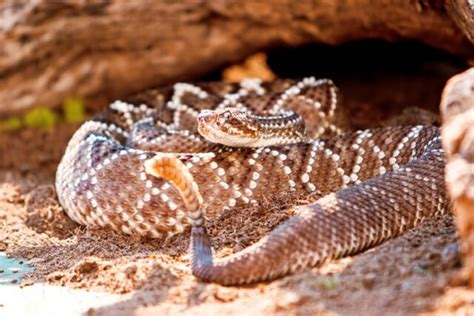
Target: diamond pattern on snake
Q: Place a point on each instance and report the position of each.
(200, 149)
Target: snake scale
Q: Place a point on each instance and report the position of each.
(145, 169)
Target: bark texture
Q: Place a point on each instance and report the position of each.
(457, 107)
(462, 13)
(106, 49)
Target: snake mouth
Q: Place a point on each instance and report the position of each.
(206, 117)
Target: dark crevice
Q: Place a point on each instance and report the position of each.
(361, 58)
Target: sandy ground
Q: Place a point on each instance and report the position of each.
(418, 273)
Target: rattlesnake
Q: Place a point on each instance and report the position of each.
(122, 169)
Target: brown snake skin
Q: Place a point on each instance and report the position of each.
(122, 169)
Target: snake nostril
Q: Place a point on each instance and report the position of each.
(206, 117)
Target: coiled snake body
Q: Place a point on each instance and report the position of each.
(146, 170)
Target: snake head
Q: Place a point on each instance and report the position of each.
(231, 127)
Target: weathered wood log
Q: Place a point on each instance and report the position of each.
(103, 50)
(457, 108)
(462, 13)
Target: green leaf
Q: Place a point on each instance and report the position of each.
(40, 118)
(10, 124)
(329, 283)
(73, 109)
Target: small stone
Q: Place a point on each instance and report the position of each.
(225, 295)
(288, 300)
(54, 277)
(369, 281)
(26, 283)
(3, 246)
(87, 267)
(130, 271)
